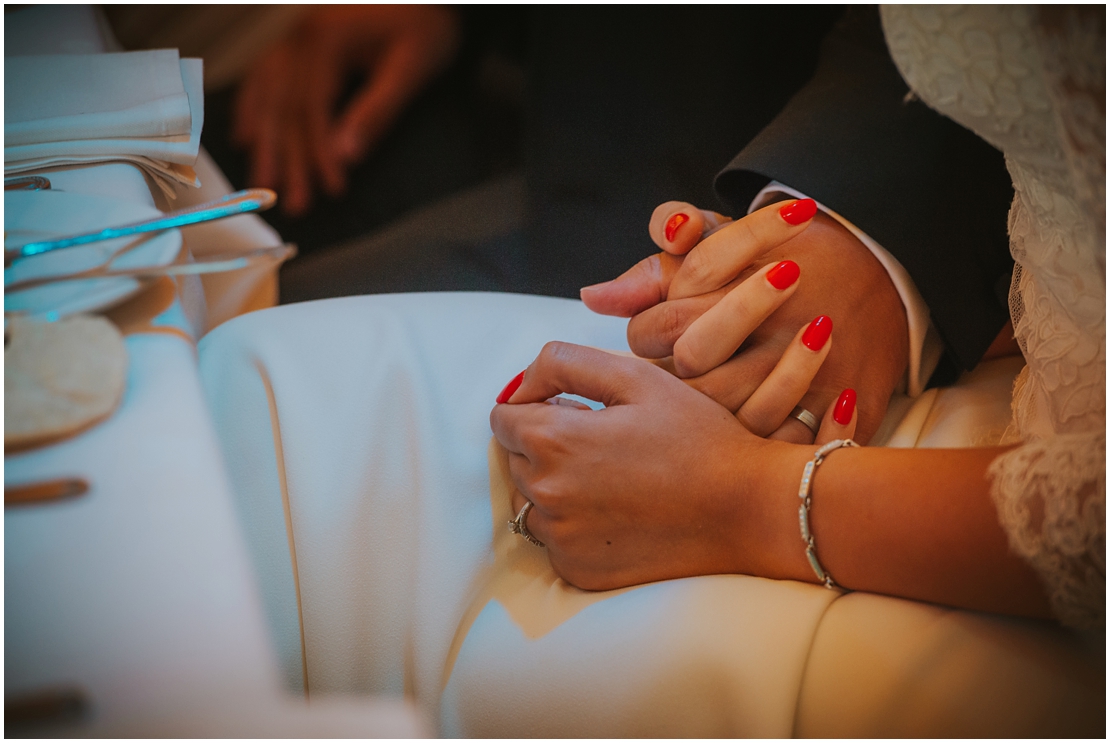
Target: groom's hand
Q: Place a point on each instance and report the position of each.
(839, 278)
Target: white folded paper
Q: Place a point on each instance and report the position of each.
(58, 97)
(145, 108)
(166, 175)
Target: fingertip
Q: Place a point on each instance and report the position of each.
(349, 147)
(510, 389)
(684, 359)
(599, 299)
(798, 212)
(844, 410)
(594, 289)
(640, 287)
(347, 144)
(674, 224)
(334, 181)
(839, 421)
(817, 333)
(296, 202)
(682, 231)
(783, 275)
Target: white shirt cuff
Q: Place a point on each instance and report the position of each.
(926, 347)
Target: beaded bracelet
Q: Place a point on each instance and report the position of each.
(803, 510)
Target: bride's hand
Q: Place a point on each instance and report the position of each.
(840, 279)
(653, 486)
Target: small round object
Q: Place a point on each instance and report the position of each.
(59, 377)
(806, 417)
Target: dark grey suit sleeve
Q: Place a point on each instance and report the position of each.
(929, 191)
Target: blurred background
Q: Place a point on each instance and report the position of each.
(501, 148)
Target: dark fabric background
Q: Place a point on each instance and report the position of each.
(621, 108)
(929, 191)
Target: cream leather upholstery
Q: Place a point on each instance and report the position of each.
(356, 434)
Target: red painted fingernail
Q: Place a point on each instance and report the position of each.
(510, 388)
(845, 406)
(783, 275)
(673, 224)
(798, 211)
(817, 334)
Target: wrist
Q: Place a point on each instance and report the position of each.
(769, 543)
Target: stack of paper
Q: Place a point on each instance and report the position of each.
(145, 108)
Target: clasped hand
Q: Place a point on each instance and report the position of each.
(666, 481)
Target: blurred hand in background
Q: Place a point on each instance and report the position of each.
(285, 110)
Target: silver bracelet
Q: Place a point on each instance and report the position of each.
(803, 510)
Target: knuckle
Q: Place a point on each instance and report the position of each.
(709, 385)
(686, 358)
(744, 304)
(795, 377)
(749, 421)
(746, 233)
(536, 439)
(648, 271)
(542, 492)
(639, 338)
(699, 269)
(652, 333)
(672, 322)
(555, 351)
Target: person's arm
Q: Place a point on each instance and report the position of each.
(930, 192)
(916, 523)
(664, 483)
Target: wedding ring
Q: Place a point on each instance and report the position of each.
(806, 417)
(518, 526)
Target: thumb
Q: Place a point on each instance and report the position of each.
(640, 287)
(566, 368)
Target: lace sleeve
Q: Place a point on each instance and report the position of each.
(1051, 501)
(1072, 43)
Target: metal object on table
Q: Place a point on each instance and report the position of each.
(27, 183)
(240, 202)
(213, 264)
(45, 491)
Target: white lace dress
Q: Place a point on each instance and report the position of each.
(1032, 83)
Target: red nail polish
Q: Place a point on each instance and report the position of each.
(817, 334)
(783, 275)
(845, 407)
(510, 388)
(673, 224)
(798, 211)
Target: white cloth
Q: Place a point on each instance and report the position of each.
(177, 148)
(357, 436)
(66, 97)
(1032, 83)
(925, 345)
(166, 176)
(140, 593)
(146, 108)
